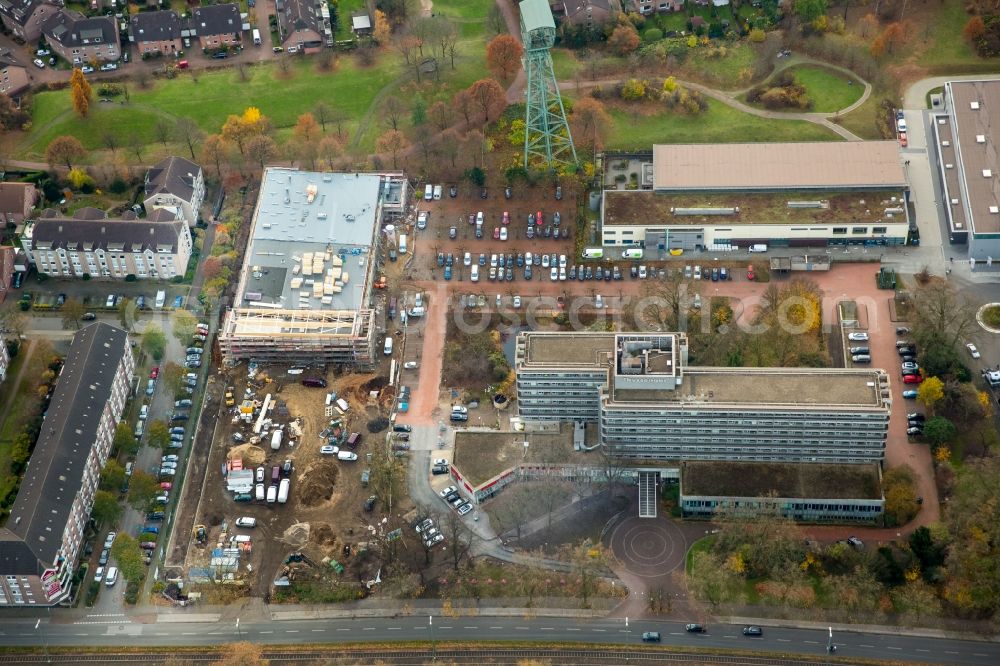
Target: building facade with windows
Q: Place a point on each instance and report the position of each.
(25, 18)
(42, 539)
(89, 243)
(724, 196)
(652, 406)
(807, 493)
(157, 32)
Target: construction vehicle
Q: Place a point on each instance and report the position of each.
(200, 534)
(230, 401)
(380, 283)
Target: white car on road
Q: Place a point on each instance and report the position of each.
(972, 350)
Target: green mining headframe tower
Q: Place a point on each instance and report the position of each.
(546, 133)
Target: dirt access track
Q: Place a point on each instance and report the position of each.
(324, 511)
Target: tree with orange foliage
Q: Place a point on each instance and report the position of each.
(382, 30)
(503, 56)
(80, 92)
(488, 95)
(974, 29)
(624, 38)
(393, 142)
(307, 134)
(894, 35)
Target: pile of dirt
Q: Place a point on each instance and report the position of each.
(251, 455)
(354, 388)
(297, 535)
(322, 534)
(315, 484)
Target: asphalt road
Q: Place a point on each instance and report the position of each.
(112, 631)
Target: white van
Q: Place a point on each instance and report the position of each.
(402, 243)
(139, 429)
(438, 190)
(593, 253)
(428, 192)
(272, 494)
(387, 348)
(343, 405)
(259, 492)
(474, 276)
(111, 577)
(632, 253)
(347, 456)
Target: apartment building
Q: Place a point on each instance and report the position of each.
(305, 289)
(41, 542)
(80, 39)
(90, 243)
(652, 406)
(13, 75)
(25, 18)
(177, 185)
(217, 26)
(157, 32)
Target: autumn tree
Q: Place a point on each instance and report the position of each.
(112, 476)
(172, 374)
(72, 310)
(261, 149)
(488, 96)
(11, 117)
(128, 557)
(330, 149)
(307, 135)
(64, 150)
(158, 434)
(900, 495)
(183, 324)
(393, 142)
(931, 392)
(464, 104)
(80, 92)
(382, 30)
(240, 129)
(974, 29)
(503, 56)
(624, 38)
(125, 440)
(894, 35)
(213, 150)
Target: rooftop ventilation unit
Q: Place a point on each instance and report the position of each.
(980, 138)
(311, 190)
(974, 106)
(705, 211)
(809, 204)
(946, 143)
(995, 209)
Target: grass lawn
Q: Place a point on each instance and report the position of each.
(861, 120)
(727, 72)
(565, 64)
(702, 545)
(829, 90)
(720, 123)
(215, 95)
(941, 36)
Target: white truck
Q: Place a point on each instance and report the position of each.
(161, 299)
(276, 440)
(758, 247)
(256, 37)
(283, 490)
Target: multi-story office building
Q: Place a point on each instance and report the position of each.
(305, 291)
(652, 406)
(41, 540)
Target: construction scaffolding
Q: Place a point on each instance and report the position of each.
(289, 336)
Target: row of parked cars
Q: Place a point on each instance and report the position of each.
(455, 500)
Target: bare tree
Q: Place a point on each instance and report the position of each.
(495, 23)
(187, 132)
(162, 129)
(457, 537)
(136, 144)
(408, 46)
(393, 110)
(110, 141)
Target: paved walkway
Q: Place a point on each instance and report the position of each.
(24, 353)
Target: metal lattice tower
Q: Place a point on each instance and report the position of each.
(546, 136)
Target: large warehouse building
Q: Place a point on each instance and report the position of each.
(967, 137)
(44, 534)
(709, 196)
(305, 289)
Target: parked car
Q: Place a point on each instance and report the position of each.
(858, 336)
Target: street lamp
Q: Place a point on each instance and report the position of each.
(238, 628)
(45, 646)
(430, 625)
